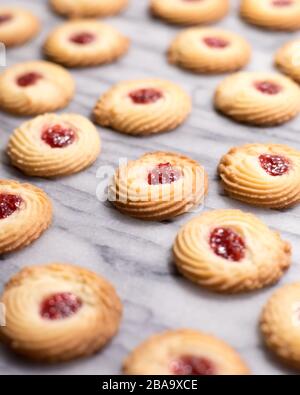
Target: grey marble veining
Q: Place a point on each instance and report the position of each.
(134, 255)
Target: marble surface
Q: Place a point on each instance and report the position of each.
(134, 255)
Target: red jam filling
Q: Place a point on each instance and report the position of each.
(58, 136)
(5, 18)
(282, 3)
(193, 366)
(83, 38)
(60, 305)
(28, 79)
(164, 173)
(216, 42)
(268, 87)
(275, 165)
(145, 96)
(9, 204)
(227, 244)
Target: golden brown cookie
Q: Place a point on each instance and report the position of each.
(272, 14)
(287, 59)
(25, 213)
(190, 12)
(143, 107)
(265, 175)
(53, 145)
(84, 43)
(17, 26)
(280, 324)
(209, 50)
(263, 99)
(158, 186)
(184, 352)
(35, 87)
(59, 312)
(88, 8)
(230, 251)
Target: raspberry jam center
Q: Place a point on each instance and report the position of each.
(282, 3)
(5, 18)
(268, 87)
(164, 173)
(275, 165)
(227, 244)
(193, 366)
(60, 305)
(216, 42)
(9, 204)
(145, 96)
(83, 38)
(28, 79)
(58, 136)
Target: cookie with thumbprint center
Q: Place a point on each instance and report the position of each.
(25, 213)
(143, 107)
(53, 145)
(264, 175)
(272, 14)
(35, 87)
(190, 12)
(17, 25)
(209, 50)
(261, 99)
(287, 59)
(229, 251)
(184, 352)
(85, 43)
(88, 8)
(158, 186)
(59, 312)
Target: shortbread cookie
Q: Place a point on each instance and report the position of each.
(25, 213)
(266, 175)
(272, 14)
(184, 352)
(190, 12)
(85, 43)
(280, 324)
(54, 145)
(263, 99)
(17, 26)
(209, 50)
(158, 186)
(287, 59)
(143, 107)
(36, 87)
(230, 251)
(88, 8)
(59, 312)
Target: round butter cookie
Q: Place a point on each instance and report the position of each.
(35, 87)
(17, 26)
(59, 312)
(230, 251)
(88, 8)
(25, 213)
(209, 50)
(184, 352)
(190, 12)
(143, 107)
(262, 99)
(280, 324)
(272, 14)
(54, 145)
(158, 186)
(287, 59)
(83, 43)
(265, 175)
